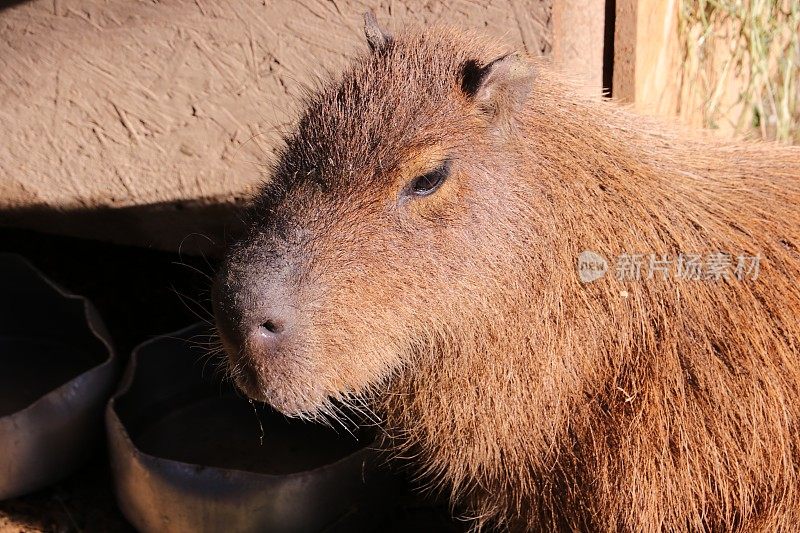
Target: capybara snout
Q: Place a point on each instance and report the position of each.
(256, 314)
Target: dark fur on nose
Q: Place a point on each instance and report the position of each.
(254, 316)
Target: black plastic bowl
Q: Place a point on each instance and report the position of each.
(188, 454)
(56, 372)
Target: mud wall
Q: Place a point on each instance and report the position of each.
(130, 109)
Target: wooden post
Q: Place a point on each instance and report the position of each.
(647, 55)
(578, 30)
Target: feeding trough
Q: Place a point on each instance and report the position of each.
(56, 373)
(189, 454)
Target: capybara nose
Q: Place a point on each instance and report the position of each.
(253, 337)
(253, 316)
(267, 336)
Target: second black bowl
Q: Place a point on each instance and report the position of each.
(189, 454)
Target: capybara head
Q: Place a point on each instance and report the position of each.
(417, 244)
(381, 218)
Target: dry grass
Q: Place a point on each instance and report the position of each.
(742, 65)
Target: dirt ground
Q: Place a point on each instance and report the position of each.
(82, 503)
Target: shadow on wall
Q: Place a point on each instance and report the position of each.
(187, 227)
(10, 3)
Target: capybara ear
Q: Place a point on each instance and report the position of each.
(377, 37)
(499, 87)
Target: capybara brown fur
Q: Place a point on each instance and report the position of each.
(415, 254)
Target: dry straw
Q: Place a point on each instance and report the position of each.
(742, 66)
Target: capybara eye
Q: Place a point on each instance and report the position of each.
(429, 182)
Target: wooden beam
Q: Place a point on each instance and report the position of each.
(578, 32)
(647, 55)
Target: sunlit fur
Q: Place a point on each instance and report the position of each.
(536, 400)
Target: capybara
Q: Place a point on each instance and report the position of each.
(570, 316)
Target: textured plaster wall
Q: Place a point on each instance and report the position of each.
(121, 103)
